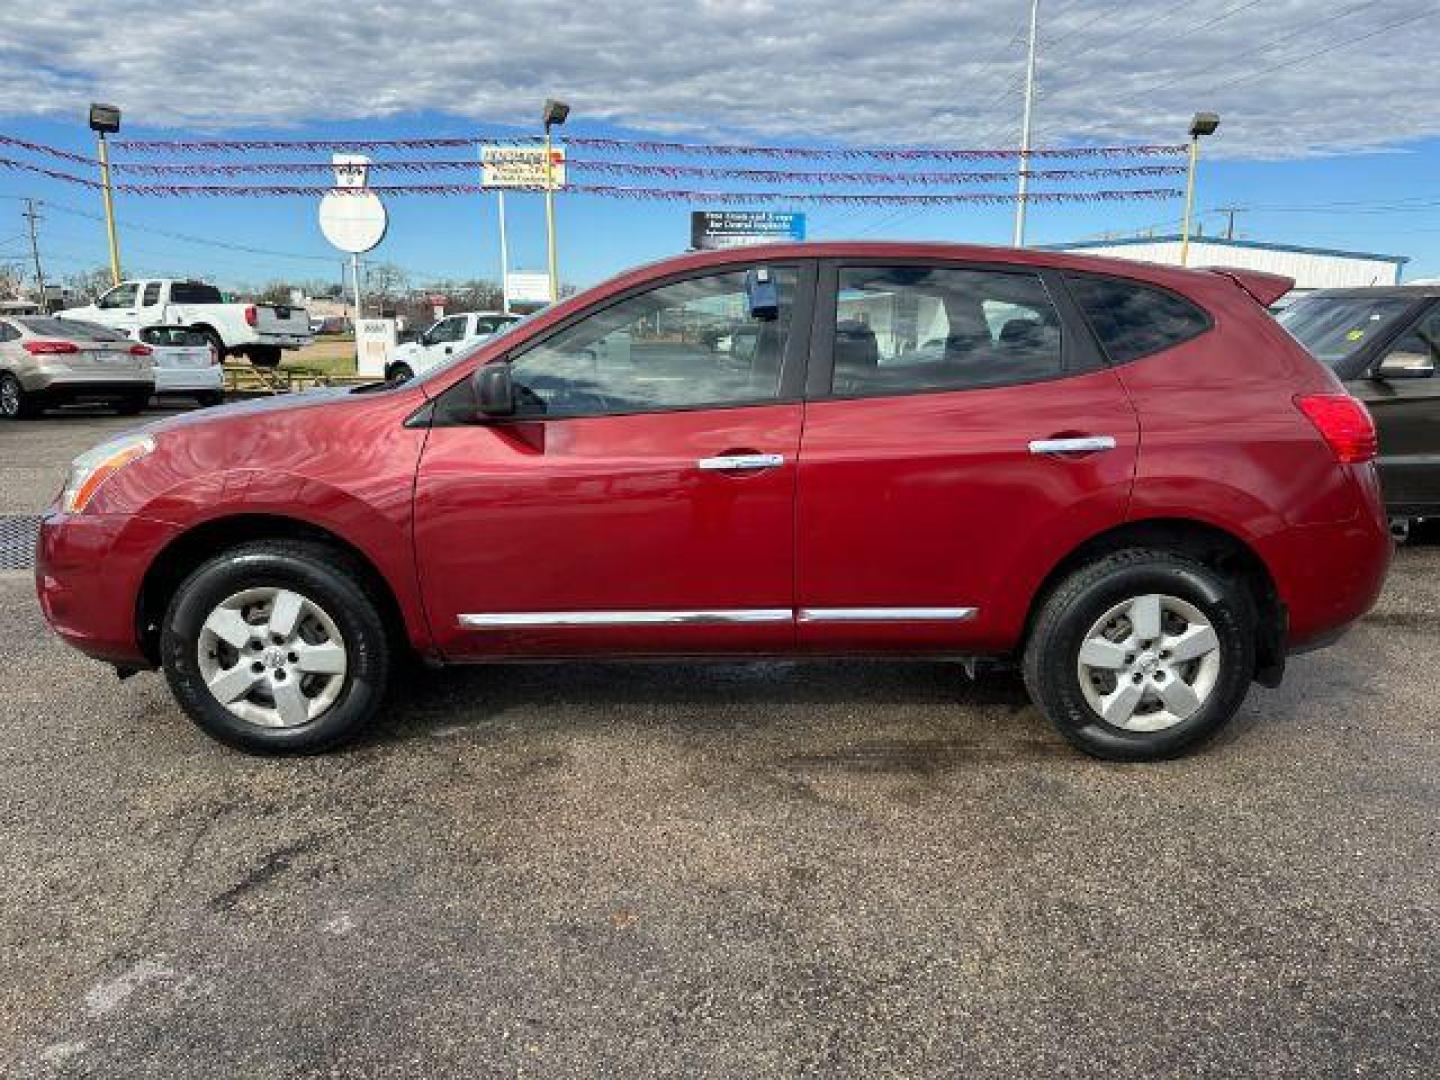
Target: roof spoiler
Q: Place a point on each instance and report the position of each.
(1265, 288)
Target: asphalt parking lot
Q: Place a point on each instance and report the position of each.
(739, 870)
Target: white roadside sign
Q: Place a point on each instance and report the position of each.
(374, 342)
(521, 288)
(520, 167)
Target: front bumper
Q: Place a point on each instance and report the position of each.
(89, 570)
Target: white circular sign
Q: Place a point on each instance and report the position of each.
(353, 222)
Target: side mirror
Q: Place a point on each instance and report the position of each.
(1405, 366)
(494, 390)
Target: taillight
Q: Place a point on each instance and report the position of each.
(214, 355)
(251, 316)
(140, 350)
(1345, 424)
(39, 348)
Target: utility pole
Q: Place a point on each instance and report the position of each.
(1024, 179)
(30, 215)
(1229, 212)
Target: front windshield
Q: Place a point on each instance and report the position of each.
(1334, 327)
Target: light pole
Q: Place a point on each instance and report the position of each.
(554, 114)
(1204, 123)
(105, 119)
(1024, 180)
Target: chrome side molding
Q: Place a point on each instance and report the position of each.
(521, 619)
(514, 619)
(887, 614)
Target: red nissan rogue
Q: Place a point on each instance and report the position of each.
(1125, 477)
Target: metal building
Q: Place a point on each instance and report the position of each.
(1312, 268)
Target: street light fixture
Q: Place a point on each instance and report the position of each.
(105, 120)
(554, 114)
(1203, 123)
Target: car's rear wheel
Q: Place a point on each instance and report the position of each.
(15, 404)
(264, 356)
(399, 373)
(209, 398)
(1142, 654)
(276, 647)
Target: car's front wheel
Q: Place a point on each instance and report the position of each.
(1142, 654)
(399, 373)
(276, 647)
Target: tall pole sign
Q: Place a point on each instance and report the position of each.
(351, 216)
(532, 168)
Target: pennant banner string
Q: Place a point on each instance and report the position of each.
(779, 176)
(606, 191)
(649, 147)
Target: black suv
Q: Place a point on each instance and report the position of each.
(1385, 344)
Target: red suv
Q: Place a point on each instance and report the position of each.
(1126, 477)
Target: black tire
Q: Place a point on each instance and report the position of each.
(133, 405)
(264, 356)
(15, 403)
(208, 399)
(320, 574)
(1052, 654)
(399, 373)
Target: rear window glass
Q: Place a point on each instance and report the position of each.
(172, 335)
(193, 292)
(73, 329)
(1133, 320)
(1334, 327)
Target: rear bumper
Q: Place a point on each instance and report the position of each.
(68, 391)
(88, 574)
(188, 380)
(1328, 576)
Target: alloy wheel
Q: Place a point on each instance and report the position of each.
(1149, 663)
(273, 657)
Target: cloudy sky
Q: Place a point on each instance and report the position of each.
(1315, 87)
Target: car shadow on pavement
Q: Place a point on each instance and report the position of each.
(695, 697)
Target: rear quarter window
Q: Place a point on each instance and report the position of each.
(1134, 320)
(194, 292)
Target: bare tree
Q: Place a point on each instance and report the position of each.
(88, 284)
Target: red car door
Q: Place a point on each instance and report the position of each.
(961, 434)
(642, 499)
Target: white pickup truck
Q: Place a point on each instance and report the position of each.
(447, 337)
(256, 331)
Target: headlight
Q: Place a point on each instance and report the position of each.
(94, 467)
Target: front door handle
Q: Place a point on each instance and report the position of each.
(740, 462)
(1085, 444)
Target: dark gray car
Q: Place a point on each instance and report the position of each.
(1384, 343)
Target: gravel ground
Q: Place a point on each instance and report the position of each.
(735, 870)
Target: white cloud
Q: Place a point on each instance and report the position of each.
(894, 71)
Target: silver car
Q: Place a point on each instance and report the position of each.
(46, 362)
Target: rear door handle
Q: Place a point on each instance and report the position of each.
(740, 462)
(1087, 444)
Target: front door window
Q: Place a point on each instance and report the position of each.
(687, 345)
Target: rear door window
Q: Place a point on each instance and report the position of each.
(152, 294)
(1134, 320)
(903, 329)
